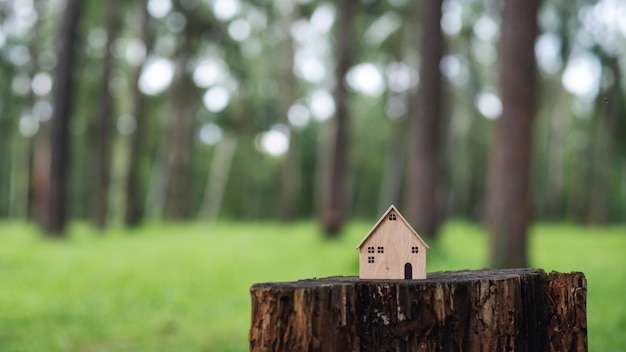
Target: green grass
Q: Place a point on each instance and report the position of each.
(185, 287)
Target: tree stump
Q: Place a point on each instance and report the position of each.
(486, 310)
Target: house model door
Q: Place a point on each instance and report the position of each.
(408, 271)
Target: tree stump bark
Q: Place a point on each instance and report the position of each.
(487, 310)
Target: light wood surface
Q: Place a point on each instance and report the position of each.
(392, 250)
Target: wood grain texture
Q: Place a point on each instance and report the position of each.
(487, 310)
(390, 246)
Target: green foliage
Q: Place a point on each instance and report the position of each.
(184, 287)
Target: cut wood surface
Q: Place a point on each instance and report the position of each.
(485, 310)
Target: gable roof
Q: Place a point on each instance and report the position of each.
(392, 208)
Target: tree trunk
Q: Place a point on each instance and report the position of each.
(558, 131)
(334, 205)
(475, 157)
(6, 126)
(606, 135)
(179, 141)
(491, 310)
(105, 123)
(290, 170)
(39, 145)
(394, 168)
(62, 99)
(218, 177)
(424, 210)
(135, 191)
(40, 179)
(615, 110)
(508, 208)
(599, 185)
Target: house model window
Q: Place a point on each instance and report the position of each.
(401, 252)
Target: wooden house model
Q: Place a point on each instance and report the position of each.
(392, 250)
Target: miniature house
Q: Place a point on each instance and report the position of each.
(392, 250)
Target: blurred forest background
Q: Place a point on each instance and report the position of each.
(118, 111)
(231, 137)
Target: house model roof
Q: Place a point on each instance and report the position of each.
(392, 208)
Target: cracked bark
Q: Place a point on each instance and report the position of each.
(489, 310)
